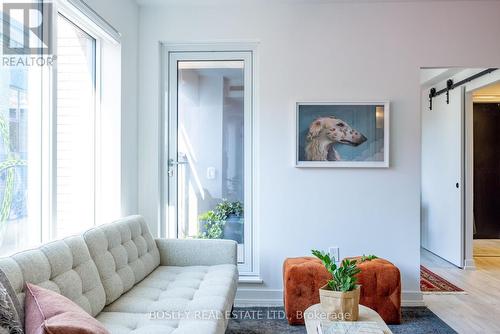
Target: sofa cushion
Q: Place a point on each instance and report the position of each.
(48, 312)
(63, 266)
(193, 288)
(175, 300)
(136, 323)
(124, 253)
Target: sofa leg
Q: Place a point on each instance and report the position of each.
(232, 315)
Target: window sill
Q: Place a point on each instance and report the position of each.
(250, 280)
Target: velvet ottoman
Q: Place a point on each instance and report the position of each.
(303, 276)
(381, 288)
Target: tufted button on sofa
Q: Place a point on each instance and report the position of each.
(133, 283)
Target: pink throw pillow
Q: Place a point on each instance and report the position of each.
(47, 312)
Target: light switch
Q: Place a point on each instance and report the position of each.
(211, 173)
(335, 252)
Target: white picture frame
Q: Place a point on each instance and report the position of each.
(369, 144)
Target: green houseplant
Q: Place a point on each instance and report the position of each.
(224, 221)
(226, 208)
(369, 257)
(210, 226)
(232, 215)
(340, 296)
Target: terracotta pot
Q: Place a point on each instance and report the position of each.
(340, 305)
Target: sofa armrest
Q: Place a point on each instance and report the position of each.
(196, 252)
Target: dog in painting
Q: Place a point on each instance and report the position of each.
(326, 132)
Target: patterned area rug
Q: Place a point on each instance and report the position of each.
(271, 320)
(433, 283)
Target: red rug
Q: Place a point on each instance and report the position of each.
(433, 283)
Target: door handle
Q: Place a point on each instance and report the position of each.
(172, 162)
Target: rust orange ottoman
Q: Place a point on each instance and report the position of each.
(381, 288)
(303, 276)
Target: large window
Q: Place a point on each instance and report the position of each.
(51, 135)
(20, 158)
(75, 119)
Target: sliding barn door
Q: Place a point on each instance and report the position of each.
(442, 176)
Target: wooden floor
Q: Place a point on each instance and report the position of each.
(487, 247)
(478, 311)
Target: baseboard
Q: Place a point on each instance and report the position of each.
(258, 297)
(412, 299)
(274, 297)
(469, 264)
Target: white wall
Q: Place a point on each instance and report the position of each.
(324, 51)
(123, 16)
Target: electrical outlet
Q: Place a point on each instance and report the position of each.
(335, 252)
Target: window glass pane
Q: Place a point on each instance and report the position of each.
(75, 119)
(20, 158)
(210, 139)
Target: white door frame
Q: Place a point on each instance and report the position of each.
(482, 82)
(169, 53)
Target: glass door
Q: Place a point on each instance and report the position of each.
(209, 148)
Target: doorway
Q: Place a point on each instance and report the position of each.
(208, 148)
(452, 237)
(486, 171)
(442, 214)
(459, 200)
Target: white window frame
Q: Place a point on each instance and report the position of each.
(246, 51)
(49, 221)
(44, 200)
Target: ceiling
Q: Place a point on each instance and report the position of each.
(489, 93)
(493, 89)
(433, 76)
(242, 2)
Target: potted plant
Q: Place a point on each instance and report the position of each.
(231, 213)
(210, 226)
(340, 296)
(224, 221)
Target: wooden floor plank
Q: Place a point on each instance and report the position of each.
(487, 247)
(478, 311)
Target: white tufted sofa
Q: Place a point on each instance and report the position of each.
(132, 282)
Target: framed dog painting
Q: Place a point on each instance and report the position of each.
(342, 134)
